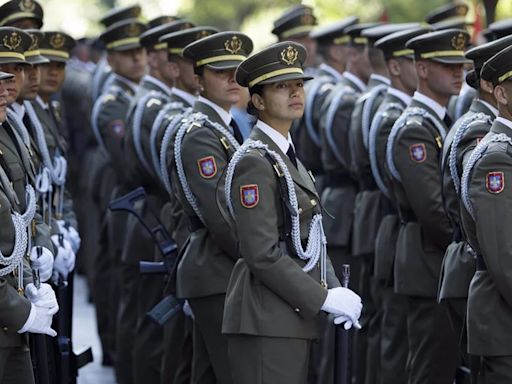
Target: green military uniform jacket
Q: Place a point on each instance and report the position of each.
(208, 258)
(459, 265)
(461, 103)
(367, 206)
(489, 312)
(269, 294)
(425, 231)
(339, 196)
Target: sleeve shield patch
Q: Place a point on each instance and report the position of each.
(249, 195)
(207, 167)
(495, 182)
(418, 152)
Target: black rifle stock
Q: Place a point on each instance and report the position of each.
(342, 370)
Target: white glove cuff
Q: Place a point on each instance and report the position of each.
(30, 320)
(328, 305)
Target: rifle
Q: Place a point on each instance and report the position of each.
(169, 305)
(343, 343)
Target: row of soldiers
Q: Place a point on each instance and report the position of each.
(378, 134)
(39, 235)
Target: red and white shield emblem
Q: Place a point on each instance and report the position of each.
(207, 167)
(418, 152)
(249, 195)
(495, 182)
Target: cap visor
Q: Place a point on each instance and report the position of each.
(34, 60)
(5, 75)
(126, 47)
(452, 60)
(51, 58)
(288, 76)
(230, 64)
(12, 60)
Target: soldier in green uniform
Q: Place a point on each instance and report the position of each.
(277, 288)
(23, 14)
(459, 264)
(414, 152)
(203, 146)
(393, 346)
(486, 194)
(178, 330)
(145, 291)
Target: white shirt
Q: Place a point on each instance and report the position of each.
(188, 97)
(491, 108)
(382, 79)
(331, 71)
(406, 99)
(282, 142)
(41, 102)
(438, 109)
(356, 80)
(224, 115)
(19, 109)
(160, 84)
(504, 121)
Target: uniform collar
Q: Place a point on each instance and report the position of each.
(282, 142)
(41, 102)
(188, 97)
(356, 80)
(331, 71)
(494, 110)
(438, 109)
(130, 84)
(19, 109)
(402, 96)
(380, 79)
(504, 122)
(158, 83)
(223, 114)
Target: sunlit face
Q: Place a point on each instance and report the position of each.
(167, 70)
(31, 84)
(14, 85)
(220, 87)
(503, 95)
(130, 64)
(52, 77)
(3, 100)
(408, 74)
(443, 79)
(283, 101)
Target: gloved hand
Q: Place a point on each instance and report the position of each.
(343, 302)
(43, 263)
(347, 323)
(43, 297)
(74, 239)
(40, 321)
(65, 259)
(187, 310)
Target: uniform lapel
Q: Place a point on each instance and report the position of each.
(498, 127)
(210, 112)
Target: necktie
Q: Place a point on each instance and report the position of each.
(236, 131)
(447, 120)
(291, 154)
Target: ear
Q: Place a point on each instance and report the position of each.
(394, 68)
(199, 80)
(422, 69)
(486, 86)
(258, 102)
(153, 59)
(501, 95)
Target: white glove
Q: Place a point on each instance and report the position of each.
(187, 310)
(44, 263)
(74, 239)
(62, 228)
(65, 259)
(43, 297)
(347, 323)
(40, 321)
(343, 302)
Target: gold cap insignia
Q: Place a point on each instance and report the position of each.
(35, 42)
(27, 6)
(234, 45)
(132, 30)
(12, 41)
(202, 34)
(289, 55)
(57, 41)
(461, 10)
(459, 42)
(307, 19)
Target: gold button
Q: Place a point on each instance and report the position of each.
(5, 329)
(297, 310)
(313, 202)
(300, 211)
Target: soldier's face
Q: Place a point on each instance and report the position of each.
(15, 84)
(3, 100)
(130, 64)
(282, 101)
(26, 24)
(220, 87)
(168, 71)
(445, 79)
(187, 80)
(52, 77)
(31, 83)
(408, 75)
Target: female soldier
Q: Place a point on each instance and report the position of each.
(281, 282)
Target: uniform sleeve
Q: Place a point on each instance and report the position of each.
(68, 209)
(14, 309)
(417, 160)
(492, 204)
(204, 161)
(41, 233)
(258, 235)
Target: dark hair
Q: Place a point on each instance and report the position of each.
(251, 109)
(199, 71)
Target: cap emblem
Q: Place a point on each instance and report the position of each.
(234, 45)
(307, 19)
(12, 41)
(202, 34)
(459, 42)
(461, 10)
(57, 41)
(35, 42)
(132, 30)
(27, 6)
(289, 55)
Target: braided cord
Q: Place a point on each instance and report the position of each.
(316, 245)
(372, 144)
(199, 119)
(367, 111)
(19, 125)
(475, 156)
(459, 134)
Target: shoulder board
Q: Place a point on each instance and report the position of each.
(153, 102)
